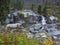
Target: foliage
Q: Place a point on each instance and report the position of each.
(18, 5)
(39, 9)
(49, 42)
(1, 38)
(21, 16)
(21, 39)
(44, 10)
(5, 39)
(4, 9)
(32, 7)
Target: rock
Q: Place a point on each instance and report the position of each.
(37, 35)
(29, 35)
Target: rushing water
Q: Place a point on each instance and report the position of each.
(43, 20)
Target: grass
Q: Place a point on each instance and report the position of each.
(19, 39)
(16, 39)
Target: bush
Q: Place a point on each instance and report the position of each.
(21, 16)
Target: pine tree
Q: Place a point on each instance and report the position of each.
(4, 9)
(18, 5)
(39, 9)
(32, 7)
(44, 10)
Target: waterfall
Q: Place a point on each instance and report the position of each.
(43, 20)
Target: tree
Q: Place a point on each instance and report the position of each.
(39, 9)
(4, 9)
(44, 10)
(18, 5)
(32, 7)
(58, 3)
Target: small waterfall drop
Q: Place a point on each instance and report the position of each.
(43, 20)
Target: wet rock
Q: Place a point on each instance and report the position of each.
(29, 35)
